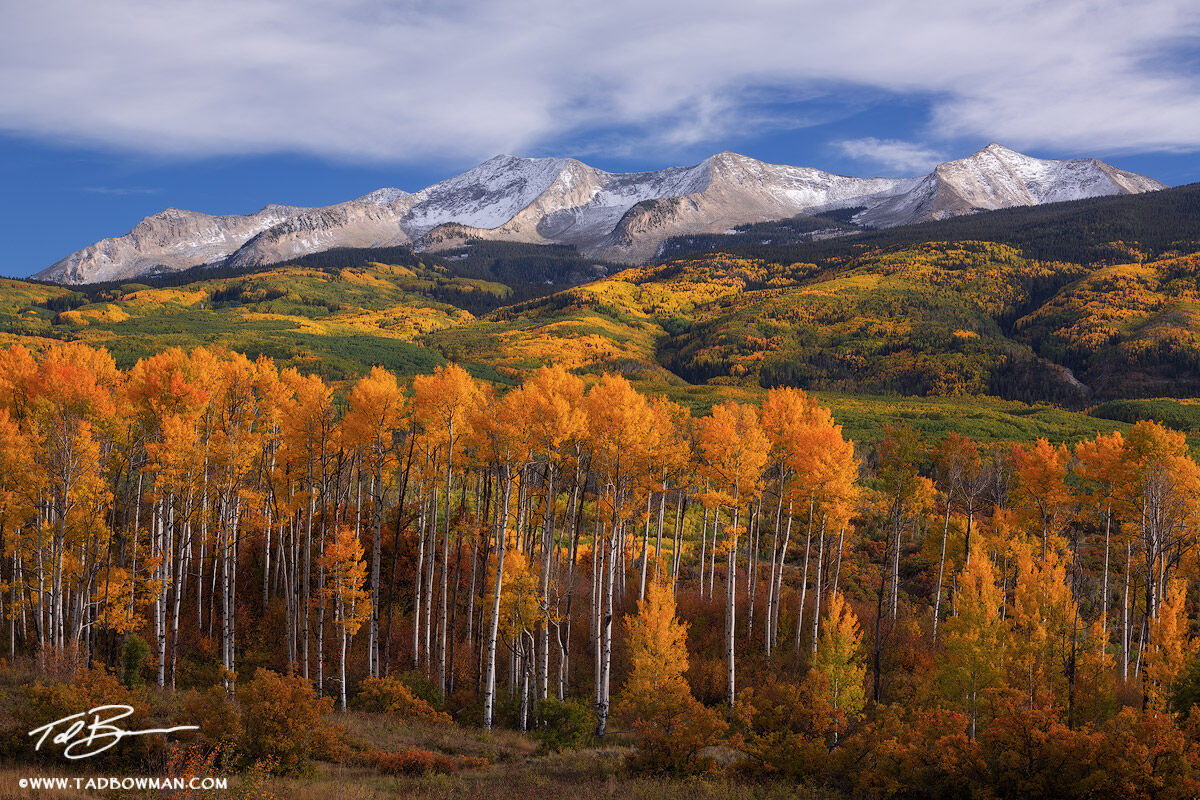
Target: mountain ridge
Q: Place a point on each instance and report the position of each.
(620, 217)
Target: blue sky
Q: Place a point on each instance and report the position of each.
(112, 111)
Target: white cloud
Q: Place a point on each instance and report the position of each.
(893, 155)
(412, 79)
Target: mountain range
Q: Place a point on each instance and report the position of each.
(623, 217)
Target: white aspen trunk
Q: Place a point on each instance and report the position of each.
(662, 509)
(419, 567)
(896, 569)
(527, 665)
(937, 597)
(712, 567)
(376, 561)
(1104, 582)
(443, 614)
(837, 573)
(677, 545)
(489, 683)
(443, 597)
(817, 587)
(548, 548)
(645, 551)
(602, 706)
(321, 594)
(787, 537)
(306, 577)
(804, 578)
(770, 617)
(752, 563)
(430, 570)
(731, 610)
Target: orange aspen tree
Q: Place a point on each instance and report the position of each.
(346, 573)
(826, 461)
(168, 399)
(503, 443)
(373, 419)
(72, 416)
(1170, 646)
(240, 407)
(620, 419)
(1042, 497)
(442, 403)
(1104, 471)
(733, 450)
(310, 442)
(670, 724)
(553, 401)
(1165, 502)
(783, 412)
(958, 466)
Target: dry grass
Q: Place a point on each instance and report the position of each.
(514, 770)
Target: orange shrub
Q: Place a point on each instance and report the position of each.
(284, 720)
(393, 697)
(413, 761)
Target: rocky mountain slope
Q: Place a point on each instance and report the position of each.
(617, 216)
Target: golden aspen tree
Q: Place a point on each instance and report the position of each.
(1170, 645)
(553, 399)
(310, 444)
(815, 470)
(519, 613)
(503, 444)
(666, 454)
(372, 421)
(958, 466)
(1042, 495)
(620, 418)
(442, 403)
(825, 462)
(1164, 504)
(839, 663)
(784, 413)
(168, 399)
(733, 450)
(975, 636)
(670, 724)
(241, 403)
(345, 586)
(1042, 620)
(72, 412)
(1104, 471)
(16, 480)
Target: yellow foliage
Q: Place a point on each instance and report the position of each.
(1170, 646)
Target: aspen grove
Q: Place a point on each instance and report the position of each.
(747, 576)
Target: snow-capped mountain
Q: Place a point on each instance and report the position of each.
(619, 216)
(997, 177)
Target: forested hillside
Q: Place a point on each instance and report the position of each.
(1098, 230)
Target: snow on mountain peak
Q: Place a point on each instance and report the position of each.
(621, 216)
(388, 194)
